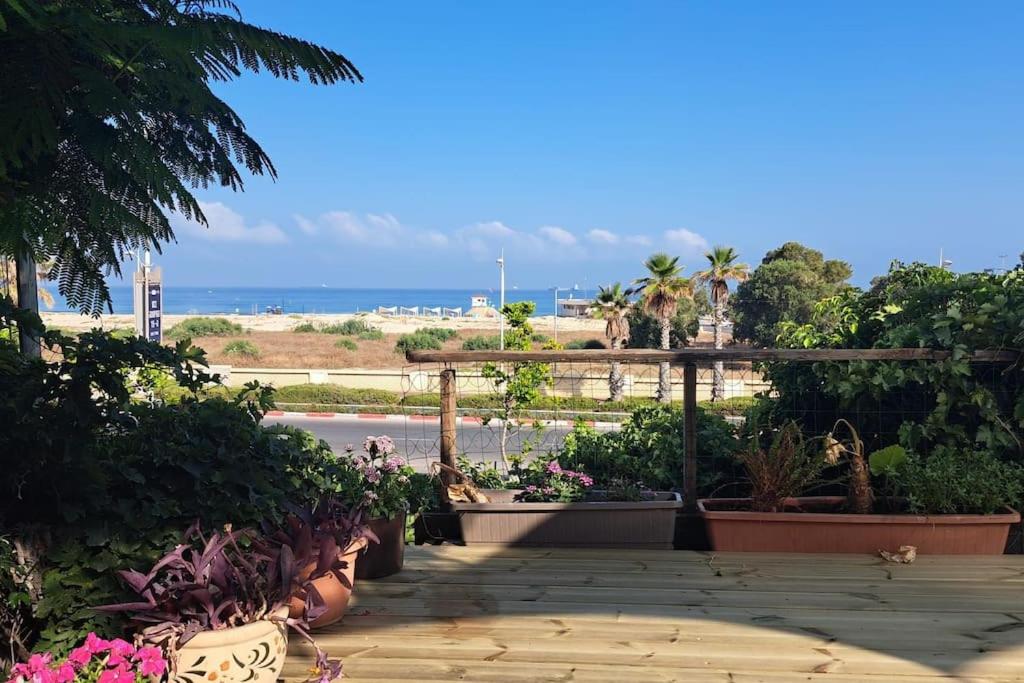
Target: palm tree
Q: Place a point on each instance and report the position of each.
(611, 305)
(722, 267)
(110, 122)
(660, 293)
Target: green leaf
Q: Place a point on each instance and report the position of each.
(887, 460)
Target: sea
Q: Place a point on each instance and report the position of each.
(302, 300)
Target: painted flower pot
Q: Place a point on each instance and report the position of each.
(253, 652)
(387, 557)
(814, 529)
(335, 592)
(593, 523)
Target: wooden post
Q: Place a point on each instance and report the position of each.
(448, 409)
(690, 434)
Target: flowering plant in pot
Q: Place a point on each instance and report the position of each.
(219, 607)
(315, 551)
(94, 661)
(382, 489)
(553, 484)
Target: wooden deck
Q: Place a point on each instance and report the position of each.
(530, 615)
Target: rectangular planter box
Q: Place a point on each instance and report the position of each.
(588, 524)
(833, 532)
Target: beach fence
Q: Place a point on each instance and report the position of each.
(455, 412)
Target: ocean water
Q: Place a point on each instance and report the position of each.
(248, 300)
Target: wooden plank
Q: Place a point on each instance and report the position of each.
(429, 669)
(448, 430)
(703, 355)
(690, 434)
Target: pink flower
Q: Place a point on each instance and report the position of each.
(554, 467)
(151, 661)
(37, 663)
(80, 656)
(393, 464)
(531, 489)
(548, 491)
(65, 673)
(120, 651)
(120, 674)
(373, 475)
(95, 644)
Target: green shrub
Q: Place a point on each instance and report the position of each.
(193, 328)
(649, 448)
(351, 327)
(442, 334)
(585, 344)
(417, 341)
(371, 335)
(955, 483)
(305, 328)
(333, 394)
(241, 347)
(481, 342)
(346, 344)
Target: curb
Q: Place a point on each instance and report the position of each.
(433, 419)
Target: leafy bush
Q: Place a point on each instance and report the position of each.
(346, 344)
(95, 482)
(349, 328)
(419, 340)
(333, 394)
(481, 342)
(305, 328)
(955, 483)
(442, 334)
(192, 328)
(649, 449)
(586, 344)
(241, 347)
(786, 469)
(372, 334)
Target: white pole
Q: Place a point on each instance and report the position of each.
(556, 315)
(501, 304)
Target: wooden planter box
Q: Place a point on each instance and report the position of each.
(588, 524)
(832, 532)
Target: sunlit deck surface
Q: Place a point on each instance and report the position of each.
(525, 615)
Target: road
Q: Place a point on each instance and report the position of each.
(418, 438)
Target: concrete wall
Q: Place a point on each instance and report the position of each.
(585, 381)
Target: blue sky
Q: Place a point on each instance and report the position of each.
(582, 136)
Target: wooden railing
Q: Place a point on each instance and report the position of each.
(688, 358)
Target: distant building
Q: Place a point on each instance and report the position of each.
(479, 301)
(574, 308)
(480, 307)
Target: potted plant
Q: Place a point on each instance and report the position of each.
(322, 544)
(94, 661)
(383, 490)
(947, 503)
(554, 506)
(220, 610)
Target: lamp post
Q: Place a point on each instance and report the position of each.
(501, 300)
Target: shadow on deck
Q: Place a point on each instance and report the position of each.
(528, 615)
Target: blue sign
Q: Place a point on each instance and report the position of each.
(153, 296)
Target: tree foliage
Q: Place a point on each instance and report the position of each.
(110, 122)
(645, 329)
(785, 287)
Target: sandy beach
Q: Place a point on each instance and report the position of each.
(285, 323)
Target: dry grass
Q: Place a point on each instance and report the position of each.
(316, 350)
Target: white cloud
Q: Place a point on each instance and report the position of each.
(227, 225)
(558, 235)
(305, 225)
(603, 236)
(370, 229)
(687, 239)
(640, 240)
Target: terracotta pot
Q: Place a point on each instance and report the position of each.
(732, 529)
(387, 557)
(253, 652)
(335, 593)
(587, 524)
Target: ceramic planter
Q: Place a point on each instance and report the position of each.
(589, 524)
(816, 530)
(334, 592)
(253, 652)
(387, 557)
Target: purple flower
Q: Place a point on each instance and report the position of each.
(393, 464)
(373, 475)
(586, 481)
(554, 468)
(531, 489)
(379, 445)
(548, 491)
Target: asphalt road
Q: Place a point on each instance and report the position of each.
(418, 439)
